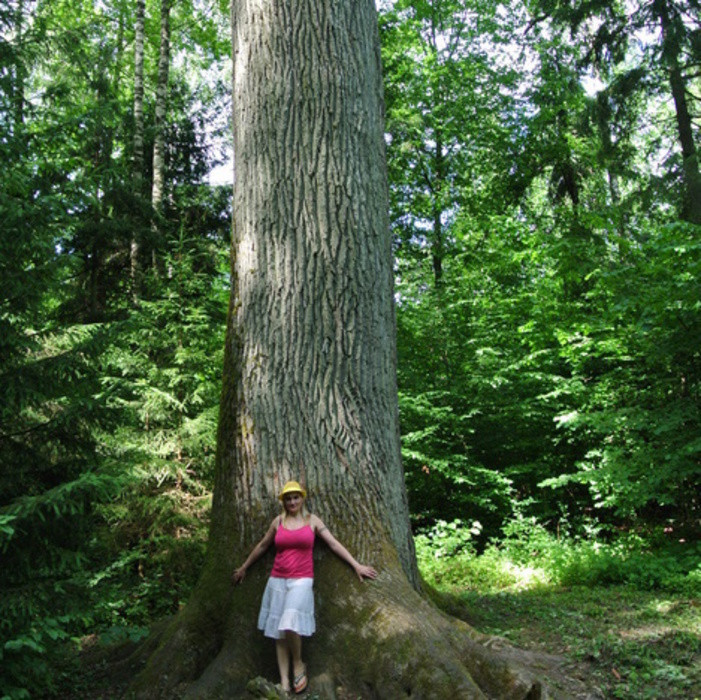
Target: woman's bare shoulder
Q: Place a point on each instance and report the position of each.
(316, 523)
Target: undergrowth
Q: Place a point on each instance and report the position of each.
(624, 613)
(528, 555)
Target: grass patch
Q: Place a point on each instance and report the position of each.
(628, 632)
(632, 644)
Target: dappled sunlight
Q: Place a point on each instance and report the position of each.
(628, 642)
(645, 633)
(663, 606)
(525, 577)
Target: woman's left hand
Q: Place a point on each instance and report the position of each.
(365, 572)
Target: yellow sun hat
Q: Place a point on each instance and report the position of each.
(292, 487)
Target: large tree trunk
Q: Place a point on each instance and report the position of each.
(310, 382)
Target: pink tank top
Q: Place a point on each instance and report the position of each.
(293, 557)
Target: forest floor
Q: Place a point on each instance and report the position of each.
(616, 642)
(619, 642)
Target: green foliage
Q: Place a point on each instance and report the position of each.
(483, 433)
(435, 466)
(445, 539)
(106, 421)
(640, 359)
(528, 555)
(552, 365)
(48, 509)
(448, 559)
(164, 375)
(53, 473)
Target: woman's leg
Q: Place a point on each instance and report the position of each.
(294, 644)
(282, 650)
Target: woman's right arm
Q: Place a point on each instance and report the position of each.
(256, 553)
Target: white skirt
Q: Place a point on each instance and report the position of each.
(288, 604)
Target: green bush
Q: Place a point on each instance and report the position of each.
(446, 539)
(670, 569)
(529, 555)
(447, 556)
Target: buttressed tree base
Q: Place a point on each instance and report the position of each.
(310, 384)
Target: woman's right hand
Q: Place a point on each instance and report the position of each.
(365, 572)
(256, 554)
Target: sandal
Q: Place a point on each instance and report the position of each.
(301, 681)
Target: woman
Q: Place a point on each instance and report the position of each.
(287, 609)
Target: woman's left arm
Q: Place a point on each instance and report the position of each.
(339, 550)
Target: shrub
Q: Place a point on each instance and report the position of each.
(529, 555)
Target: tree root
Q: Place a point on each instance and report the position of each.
(376, 640)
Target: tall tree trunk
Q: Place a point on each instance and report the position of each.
(20, 70)
(119, 53)
(438, 242)
(671, 28)
(161, 106)
(608, 155)
(138, 163)
(310, 382)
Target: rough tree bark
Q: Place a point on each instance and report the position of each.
(310, 383)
